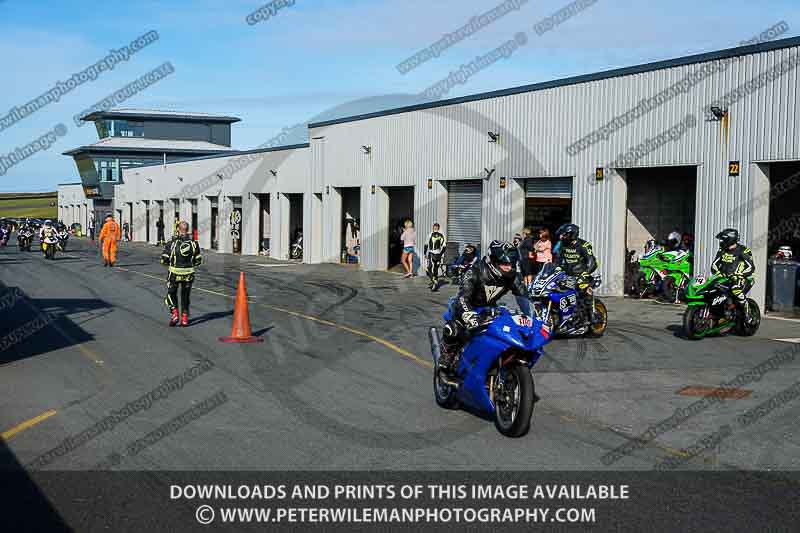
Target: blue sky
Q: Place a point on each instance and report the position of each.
(319, 55)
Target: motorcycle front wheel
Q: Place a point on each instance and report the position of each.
(642, 285)
(599, 321)
(514, 401)
(695, 322)
(444, 393)
(748, 324)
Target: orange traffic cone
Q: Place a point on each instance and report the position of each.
(240, 332)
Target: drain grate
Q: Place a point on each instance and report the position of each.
(719, 392)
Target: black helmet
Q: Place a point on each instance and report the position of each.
(568, 232)
(502, 252)
(727, 237)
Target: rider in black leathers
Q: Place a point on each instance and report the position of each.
(577, 259)
(484, 284)
(734, 261)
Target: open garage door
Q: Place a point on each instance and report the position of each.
(548, 203)
(660, 200)
(401, 209)
(464, 207)
(783, 239)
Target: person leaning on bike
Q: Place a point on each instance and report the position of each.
(484, 284)
(735, 262)
(577, 259)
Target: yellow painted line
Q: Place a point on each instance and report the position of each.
(348, 329)
(27, 424)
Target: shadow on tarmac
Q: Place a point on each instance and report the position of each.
(25, 507)
(36, 326)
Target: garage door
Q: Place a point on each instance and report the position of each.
(464, 200)
(548, 188)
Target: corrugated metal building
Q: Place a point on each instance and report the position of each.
(427, 147)
(692, 143)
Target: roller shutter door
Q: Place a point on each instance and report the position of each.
(548, 188)
(464, 201)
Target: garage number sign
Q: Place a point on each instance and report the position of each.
(599, 174)
(733, 168)
(236, 221)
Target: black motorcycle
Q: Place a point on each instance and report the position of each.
(25, 240)
(63, 238)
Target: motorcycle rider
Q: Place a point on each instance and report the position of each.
(434, 251)
(735, 262)
(182, 256)
(47, 230)
(464, 261)
(577, 259)
(484, 284)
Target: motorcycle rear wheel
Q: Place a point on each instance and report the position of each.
(513, 412)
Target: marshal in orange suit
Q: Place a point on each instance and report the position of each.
(109, 236)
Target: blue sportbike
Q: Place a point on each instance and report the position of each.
(554, 299)
(493, 376)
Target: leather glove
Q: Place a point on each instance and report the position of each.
(471, 320)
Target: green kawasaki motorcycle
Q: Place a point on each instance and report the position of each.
(712, 311)
(667, 273)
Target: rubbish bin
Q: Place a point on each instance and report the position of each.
(782, 280)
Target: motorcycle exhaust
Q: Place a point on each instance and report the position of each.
(433, 334)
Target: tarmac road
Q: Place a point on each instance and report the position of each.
(343, 379)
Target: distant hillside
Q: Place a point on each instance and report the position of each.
(34, 204)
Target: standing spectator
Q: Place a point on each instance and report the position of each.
(175, 225)
(109, 236)
(409, 240)
(543, 249)
(434, 253)
(91, 227)
(126, 232)
(160, 230)
(526, 255)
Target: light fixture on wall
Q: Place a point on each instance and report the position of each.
(220, 176)
(489, 173)
(273, 172)
(366, 149)
(372, 189)
(717, 112)
(149, 180)
(180, 178)
(430, 183)
(493, 137)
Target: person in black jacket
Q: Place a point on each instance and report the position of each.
(182, 256)
(434, 253)
(735, 262)
(160, 231)
(576, 258)
(484, 284)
